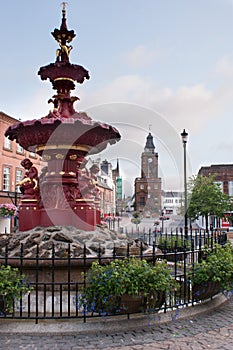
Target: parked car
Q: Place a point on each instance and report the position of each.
(163, 217)
(157, 222)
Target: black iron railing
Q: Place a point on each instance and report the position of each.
(57, 282)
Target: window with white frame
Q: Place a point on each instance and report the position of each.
(32, 155)
(20, 149)
(220, 184)
(230, 188)
(7, 143)
(6, 179)
(18, 178)
(169, 200)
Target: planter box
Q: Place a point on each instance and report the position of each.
(131, 304)
(135, 304)
(205, 291)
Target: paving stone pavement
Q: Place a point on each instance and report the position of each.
(211, 330)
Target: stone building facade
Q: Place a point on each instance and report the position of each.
(148, 186)
(107, 189)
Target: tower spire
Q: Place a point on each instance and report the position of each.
(149, 147)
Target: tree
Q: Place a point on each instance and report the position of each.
(205, 198)
(136, 218)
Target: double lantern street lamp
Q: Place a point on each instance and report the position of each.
(184, 136)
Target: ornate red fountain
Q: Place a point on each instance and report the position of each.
(63, 194)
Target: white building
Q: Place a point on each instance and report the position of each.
(171, 202)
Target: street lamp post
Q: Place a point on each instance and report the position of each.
(184, 136)
(162, 214)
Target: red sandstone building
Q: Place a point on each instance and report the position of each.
(148, 187)
(223, 176)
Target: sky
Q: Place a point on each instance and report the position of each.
(158, 65)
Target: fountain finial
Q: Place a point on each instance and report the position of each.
(62, 73)
(63, 36)
(64, 8)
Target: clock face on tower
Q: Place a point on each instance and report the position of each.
(150, 160)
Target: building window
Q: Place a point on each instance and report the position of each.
(7, 143)
(19, 149)
(220, 184)
(142, 201)
(18, 178)
(230, 188)
(32, 155)
(168, 200)
(155, 186)
(6, 179)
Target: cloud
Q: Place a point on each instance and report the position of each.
(224, 67)
(190, 105)
(140, 57)
(201, 107)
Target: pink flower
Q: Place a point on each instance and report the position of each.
(7, 209)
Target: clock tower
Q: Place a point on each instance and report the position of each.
(148, 186)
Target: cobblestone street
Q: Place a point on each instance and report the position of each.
(211, 330)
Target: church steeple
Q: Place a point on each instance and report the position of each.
(149, 147)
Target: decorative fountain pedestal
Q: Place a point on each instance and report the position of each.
(62, 203)
(63, 138)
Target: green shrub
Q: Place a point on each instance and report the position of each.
(170, 243)
(217, 266)
(12, 286)
(107, 284)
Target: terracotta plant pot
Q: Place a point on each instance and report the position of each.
(134, 304)
(205, 290)
(130, 304)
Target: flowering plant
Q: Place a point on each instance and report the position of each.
(107, 284)
(7, 209)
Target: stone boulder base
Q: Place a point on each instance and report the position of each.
(46, 241)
